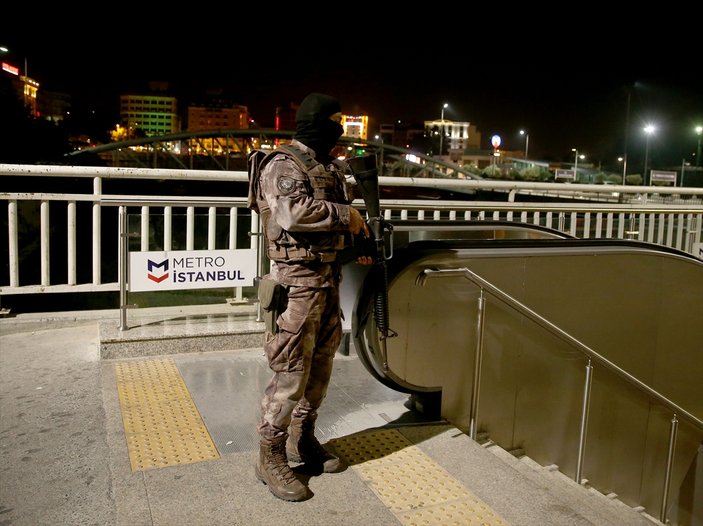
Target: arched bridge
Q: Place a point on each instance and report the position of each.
(228, 149)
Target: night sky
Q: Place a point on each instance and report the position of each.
(566, 85)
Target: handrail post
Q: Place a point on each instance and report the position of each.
(669, 464)
(257, 241)
(13, 236)
(584, 419)
(123, 262)
(478, 358)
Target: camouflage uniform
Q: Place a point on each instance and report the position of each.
(309, 327)
(306, 214)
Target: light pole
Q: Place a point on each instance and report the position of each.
(649, 130)
(627, 129)
(699, 131)
(576, 160)
(527, 141)
(441, 127)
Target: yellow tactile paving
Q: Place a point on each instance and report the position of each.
(162, 425)
(418, 491)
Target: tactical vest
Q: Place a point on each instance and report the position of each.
(289, 247)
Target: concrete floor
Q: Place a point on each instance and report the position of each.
(64, 458)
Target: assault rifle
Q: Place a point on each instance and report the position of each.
(365, 173)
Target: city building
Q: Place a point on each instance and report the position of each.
(53, 106)
(25, 86)
(149, 115)
(453, 135)
(356, 126)
(285, 117)
(217, 117)
(216, 113)
(403, 135)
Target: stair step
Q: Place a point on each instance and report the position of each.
(152, 332)
(587, 501)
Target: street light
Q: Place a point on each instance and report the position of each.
(649, 130)
(441, 127)
(576, 160)
(527, 141)
(699, 131)
(4, 50)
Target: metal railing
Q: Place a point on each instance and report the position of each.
(590, 354)
(32, 218)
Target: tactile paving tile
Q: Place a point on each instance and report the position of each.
(416, 489)
(163, 427)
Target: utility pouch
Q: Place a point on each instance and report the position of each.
(271, 295)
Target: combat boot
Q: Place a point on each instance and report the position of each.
(273, 470)
(303, 446)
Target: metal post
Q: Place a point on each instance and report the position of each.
(627, 129)
(441, 131)
(669, 463)
(646, 155)
(44, 243)
(441, 128)
(527, 145)
(257, 241)
(646, 158)
(71, 242)
(233, 219)
(692, 231)
(478, 357)
(13, 247)
(584, 420)
(97, 238)
(123, 261)
(631, 226)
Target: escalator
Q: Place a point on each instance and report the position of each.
(638, 305)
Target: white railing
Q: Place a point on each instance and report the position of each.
(622, 212)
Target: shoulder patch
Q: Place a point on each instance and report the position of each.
(285, 184)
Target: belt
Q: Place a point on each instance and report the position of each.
(281, 253)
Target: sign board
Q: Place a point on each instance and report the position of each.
(10, 68)
(657, 175)
(697, 250)
(191, 269)
(565, 174)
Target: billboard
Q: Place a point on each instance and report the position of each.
(565, 174)
(191, 269)
(660, 175)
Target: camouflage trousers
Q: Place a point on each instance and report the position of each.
(300, 356)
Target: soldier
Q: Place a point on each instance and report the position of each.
(305, 206)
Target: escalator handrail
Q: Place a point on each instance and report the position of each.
(546, 324)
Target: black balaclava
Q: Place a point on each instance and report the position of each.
(313, 125)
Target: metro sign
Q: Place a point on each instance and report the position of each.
(191, 269)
